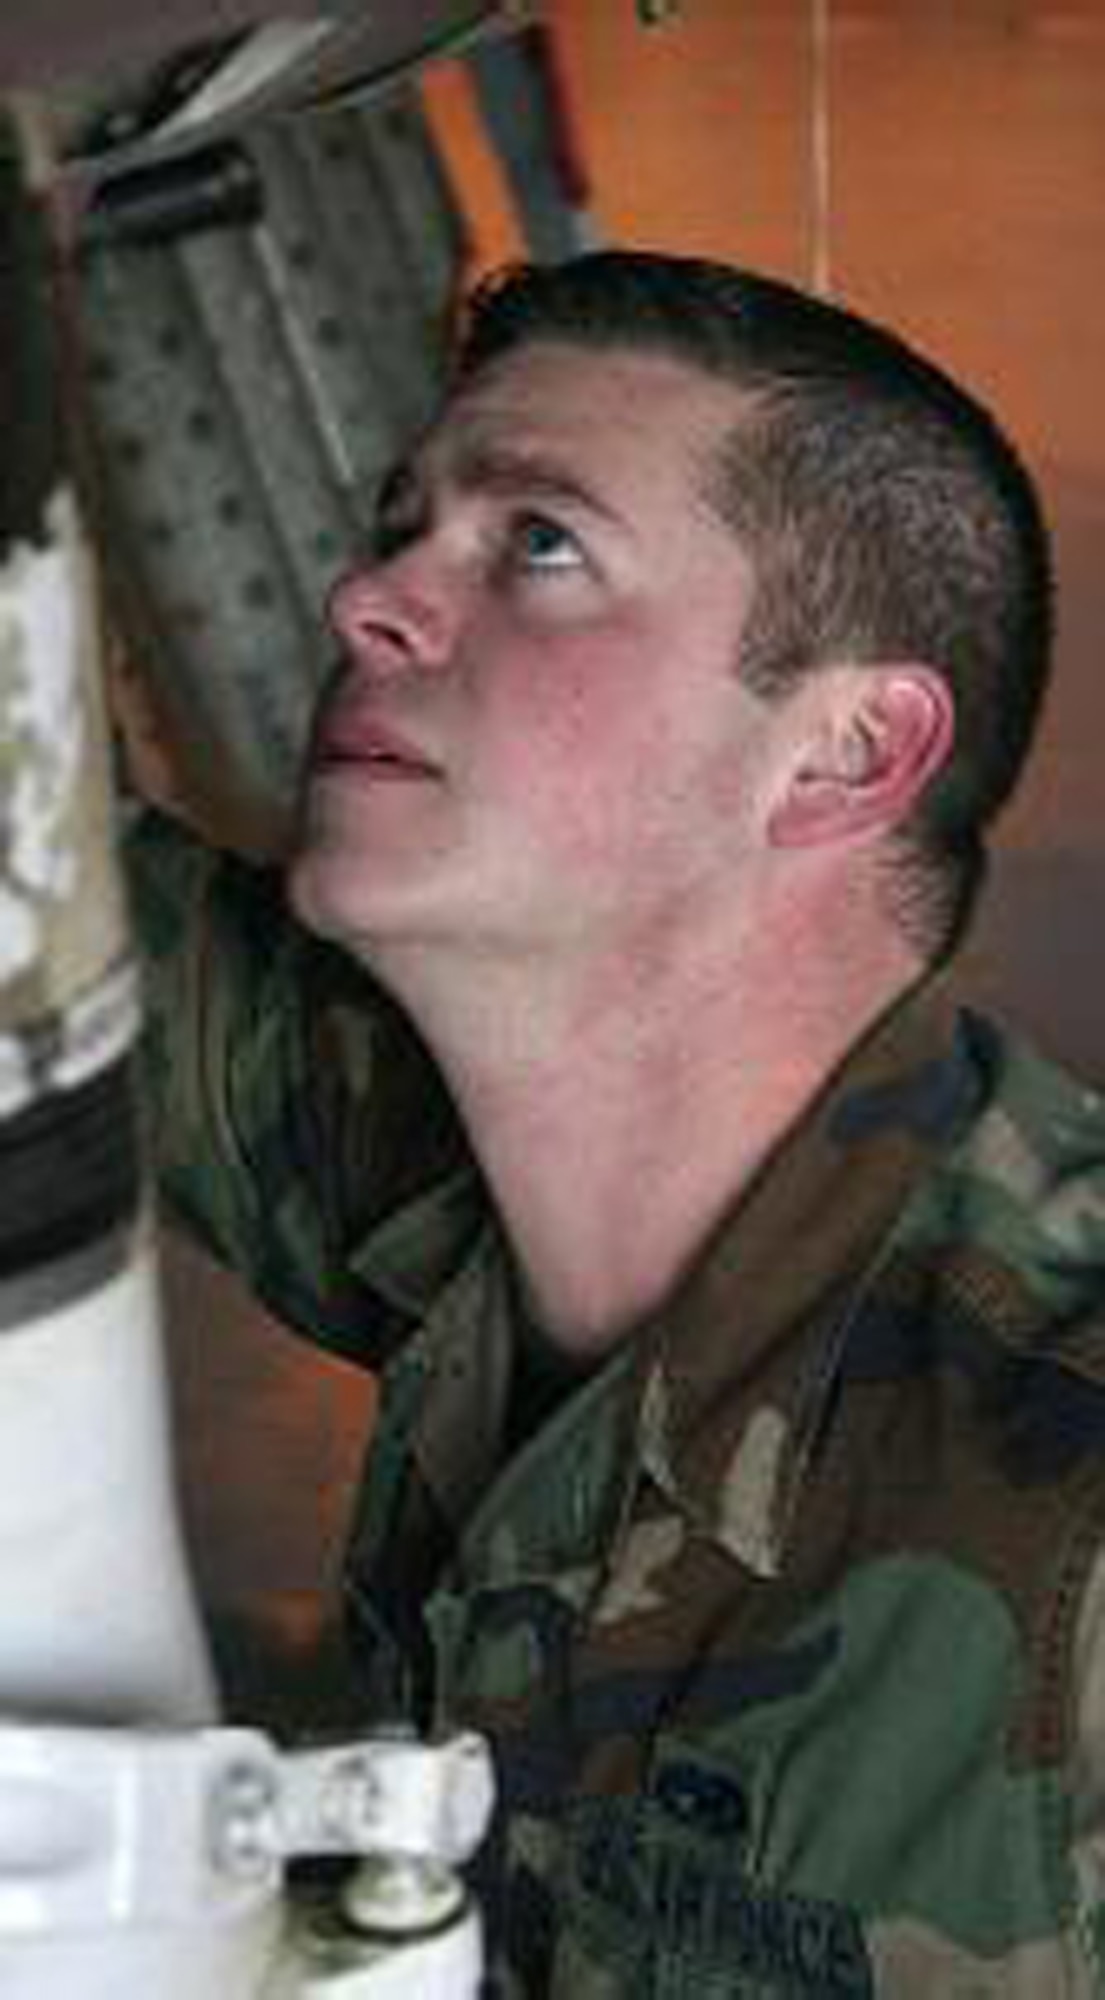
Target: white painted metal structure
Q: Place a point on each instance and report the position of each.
(143, 1848)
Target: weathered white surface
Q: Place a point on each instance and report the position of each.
(43, 608)
(68, 995)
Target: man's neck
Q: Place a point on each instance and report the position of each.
(618, 1117)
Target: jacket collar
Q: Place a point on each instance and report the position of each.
(744, 1357)
(737, 1371)
(413, 1254)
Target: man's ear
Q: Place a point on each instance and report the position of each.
(876, 735)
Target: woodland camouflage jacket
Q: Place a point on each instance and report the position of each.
(788, 1627)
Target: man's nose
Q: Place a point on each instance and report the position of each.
(392, 617)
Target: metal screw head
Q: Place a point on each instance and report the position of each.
(244, 1834)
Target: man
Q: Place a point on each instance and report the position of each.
(738, 1299)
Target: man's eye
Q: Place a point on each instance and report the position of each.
(538, 543)
(400, 515)
(392, 533)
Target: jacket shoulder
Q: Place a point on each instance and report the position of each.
(1022, 1189)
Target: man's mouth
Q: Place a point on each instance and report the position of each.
(372, 748)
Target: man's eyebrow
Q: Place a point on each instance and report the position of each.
(512, 472)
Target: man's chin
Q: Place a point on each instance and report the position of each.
(312, 895)
(330, 896)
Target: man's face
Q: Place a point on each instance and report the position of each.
(537, 737)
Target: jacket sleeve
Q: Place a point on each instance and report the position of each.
(290, 1106)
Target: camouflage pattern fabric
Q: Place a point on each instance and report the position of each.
(788, 1627)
